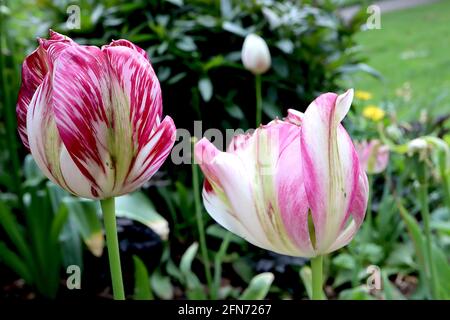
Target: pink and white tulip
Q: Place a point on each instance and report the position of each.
(373, 156)
(294, 186)
(92, 117)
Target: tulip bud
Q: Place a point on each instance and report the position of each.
(92, 117)
(373, 156)
(417, 145)
(255, 54)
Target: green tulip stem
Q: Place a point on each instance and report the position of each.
(112, 242)
(200, 224)
(425, 212)
(317, 278)
(258, 100)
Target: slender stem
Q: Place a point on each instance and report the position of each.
(109, 217)
(218, 264)
(423, 198)
(258, 100)
(200, 225)
(317, 278)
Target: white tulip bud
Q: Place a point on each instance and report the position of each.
(417, 144)
(255, 54)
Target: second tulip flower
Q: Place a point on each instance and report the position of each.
(294, 186)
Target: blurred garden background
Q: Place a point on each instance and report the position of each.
(401, 74)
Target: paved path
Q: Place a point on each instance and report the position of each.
(385, 6)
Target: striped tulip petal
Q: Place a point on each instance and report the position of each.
(44, 141)
(331, 168)
(34, 69)
(100, 119)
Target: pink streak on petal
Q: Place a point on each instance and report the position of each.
(139, 82)
(151, 157)
(81, 82)
(292, 199)
(126, 43)
(34, 69)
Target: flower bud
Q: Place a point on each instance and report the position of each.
(255, 54)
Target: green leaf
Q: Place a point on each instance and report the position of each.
(33, 175)
(259, 287)
(234, 28)
(176, 78)
(206, 89)
(306, 276)
(360, 67)
(243, 268)
(344, 261)
(87, 222)
(286, 46)
(234, 111)
(440, 261)
(219, 232)
(194, 287)
(186, 44)
(214, 62)
(58, 223)
(226, 9)
(15, 263)
(161, 286)
(69, 237)
(187, 258)
(14, 232)
(142, 290)
(415, 234)
(358, 293)
(271, 109)
(138, 207)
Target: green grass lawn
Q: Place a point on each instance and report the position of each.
(412, 52)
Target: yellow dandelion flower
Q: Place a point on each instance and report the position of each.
(373, 113)
(363, 95)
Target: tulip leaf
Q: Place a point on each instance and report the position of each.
(439, 259)
(357, 293)
(194, 288)
(286, 46)
(33, 175)
(259, 287)
(161, 286)
(58, 224)
(9, 223)
(142, 290)
(219, 232)
(14, 262)
(234, 28)
(306, 276)
(136, 206)
(187, 258)
(206, 88)
(87, 222)
(69, 237)
(187, 44)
